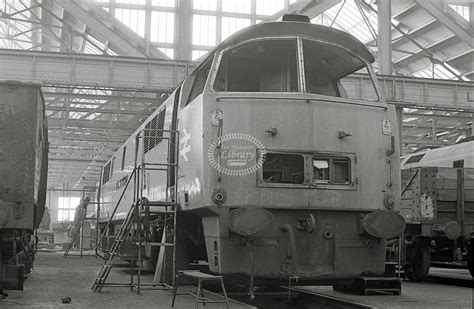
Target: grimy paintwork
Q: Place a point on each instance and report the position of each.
(23, 173)
(306, 123)
(22, 155)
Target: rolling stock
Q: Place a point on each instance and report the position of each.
(23, 173)
(438, 206)
(441, 157)
(285, 170)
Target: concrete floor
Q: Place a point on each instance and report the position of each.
(430, 294)
(55, 277)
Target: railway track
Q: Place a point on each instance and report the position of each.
(455, 292)
(455, 277)
(296, 298)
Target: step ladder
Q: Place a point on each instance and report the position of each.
(76, 230)
(73, 243)
(77, 237)
(104, 272)
(76, 226)
(138, 216)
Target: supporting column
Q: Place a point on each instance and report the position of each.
(36, 33)
(185, 31)
(148, 27)
(471, 133)
(50, 38)
(471, 16)
(384, 43)
(399, 112)
(384, 37)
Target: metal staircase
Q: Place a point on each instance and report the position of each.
(137, 224)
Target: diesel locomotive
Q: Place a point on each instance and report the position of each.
(23, 173)
(288, 169)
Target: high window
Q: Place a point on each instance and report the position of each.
(261, 66)
(67, 207)
(231, 25)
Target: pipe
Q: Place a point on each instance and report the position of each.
(252, 270)
(292, 254)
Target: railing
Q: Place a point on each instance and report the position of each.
(137, 74)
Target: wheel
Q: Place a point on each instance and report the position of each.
(470, 257)
(343, 285)
(420, 264)
(470, 265)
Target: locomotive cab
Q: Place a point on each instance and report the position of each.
(283, 146)
(279, 143)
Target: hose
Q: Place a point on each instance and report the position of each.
(252, 269)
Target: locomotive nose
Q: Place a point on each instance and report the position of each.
(383, 224)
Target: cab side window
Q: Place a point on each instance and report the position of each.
(195, 83)
(331, 170)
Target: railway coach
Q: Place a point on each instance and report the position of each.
(23, 173)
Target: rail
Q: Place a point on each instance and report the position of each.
(295, 297)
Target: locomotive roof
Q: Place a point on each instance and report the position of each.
(442, 157)
(294, 29)
(20, 83)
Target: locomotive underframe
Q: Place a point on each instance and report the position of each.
(275, 259)
(294, 248)
(16, 257)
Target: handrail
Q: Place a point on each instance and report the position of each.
(116, 207)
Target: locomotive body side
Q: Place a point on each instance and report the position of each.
(23, 172)
(118, 169)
